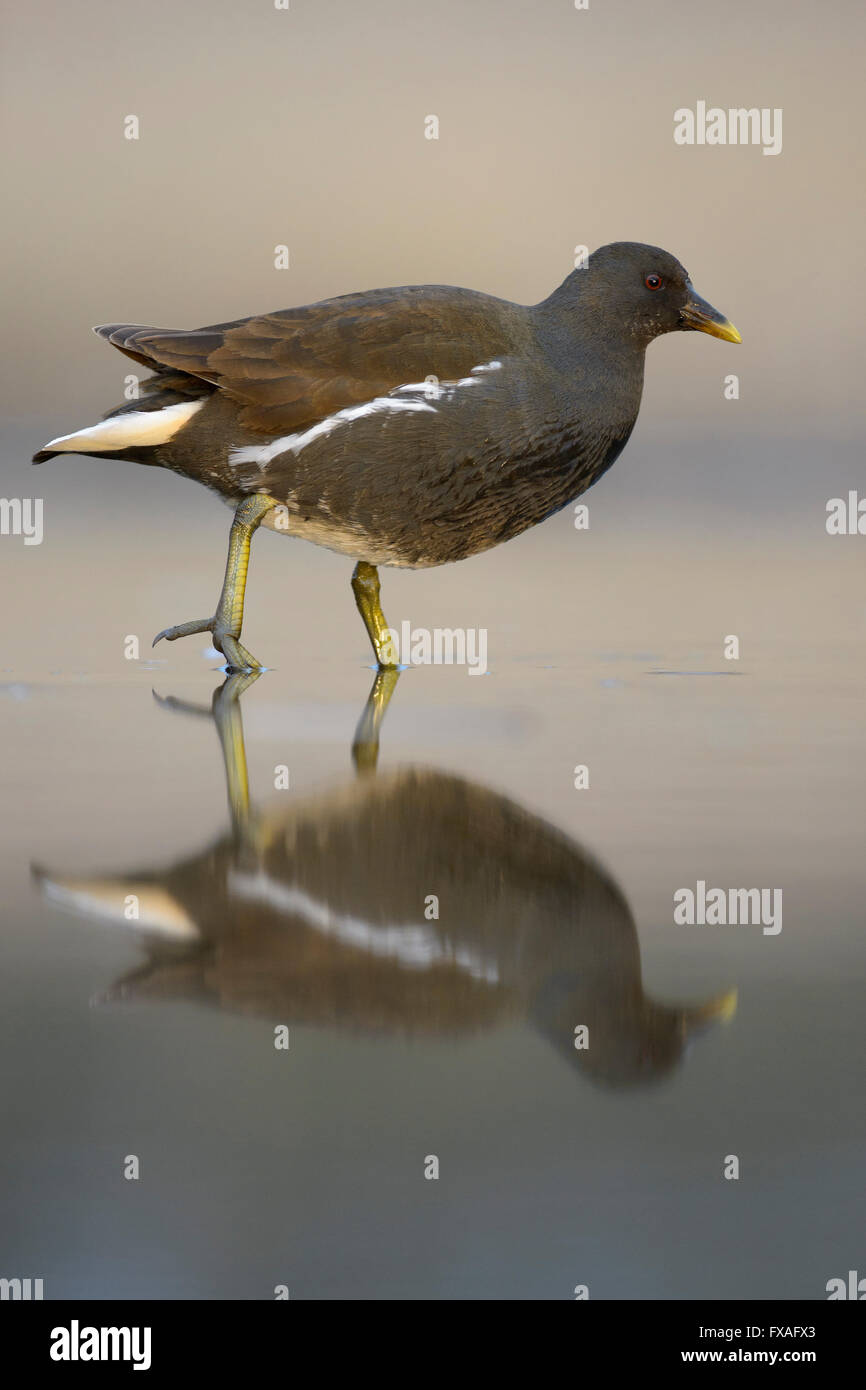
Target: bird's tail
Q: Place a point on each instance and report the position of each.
(128, 428)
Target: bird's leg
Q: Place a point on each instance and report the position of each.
(365, 587)
(365, 746)
(225, 625)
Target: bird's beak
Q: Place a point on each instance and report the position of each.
(697, 313)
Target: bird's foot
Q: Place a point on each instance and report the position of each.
(235, 653)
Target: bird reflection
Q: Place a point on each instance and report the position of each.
(409, 903)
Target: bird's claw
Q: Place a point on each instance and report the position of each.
(171, 634)
(235, 653)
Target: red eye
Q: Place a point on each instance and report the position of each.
(653, 282)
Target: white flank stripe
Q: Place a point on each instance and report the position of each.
(417, 947)
(295, 442)
(134, 429)
(423, 392)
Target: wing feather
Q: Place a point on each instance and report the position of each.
(289, 369)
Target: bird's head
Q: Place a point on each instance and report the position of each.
(630, 1039)
(646, 291)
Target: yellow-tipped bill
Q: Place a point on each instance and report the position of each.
(698, 314)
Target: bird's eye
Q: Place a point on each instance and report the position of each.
(653, 282)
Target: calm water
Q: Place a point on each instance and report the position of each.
(411, 1036)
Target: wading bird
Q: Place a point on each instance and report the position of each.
(406, 427)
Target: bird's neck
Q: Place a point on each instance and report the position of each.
(578, 331)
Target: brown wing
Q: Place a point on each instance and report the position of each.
(289, 369)
(157, 348)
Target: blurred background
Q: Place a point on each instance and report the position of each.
(305, 127)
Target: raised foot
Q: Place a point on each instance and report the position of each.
(235, 653)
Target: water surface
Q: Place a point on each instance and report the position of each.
(411, 1036)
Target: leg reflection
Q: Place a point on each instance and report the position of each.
(365, 746)
(225, 710)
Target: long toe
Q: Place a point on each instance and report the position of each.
(171, 634)
(236, 654)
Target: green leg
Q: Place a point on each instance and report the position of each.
(365, 586)
(225, 625)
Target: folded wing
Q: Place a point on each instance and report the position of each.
(289, 369)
